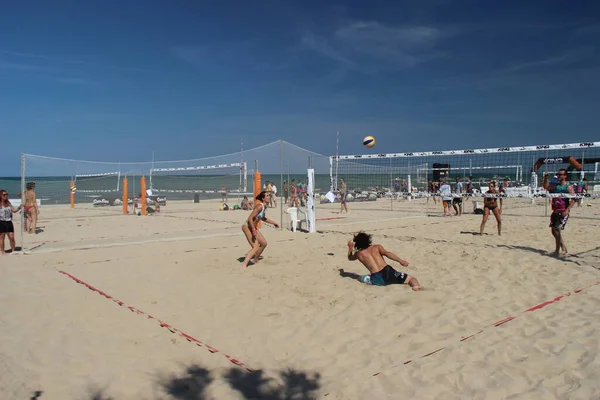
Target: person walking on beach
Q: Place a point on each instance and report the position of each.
(490, 205)
(294, 195)
(446, 193)
(561, 207)
(431, 189)
(253, 235)
(6, 225)
(286, 192)
(224, 194)
(457, 199)
(371, 256)
(343, 196)
(31, 208)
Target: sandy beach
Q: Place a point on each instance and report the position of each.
(298, 325)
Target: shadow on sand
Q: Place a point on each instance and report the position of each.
(350, 275)
(193, 382)
(539, 251)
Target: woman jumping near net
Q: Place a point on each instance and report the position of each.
(253, 235)
(490, 205)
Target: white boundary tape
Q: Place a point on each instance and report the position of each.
(123, 244)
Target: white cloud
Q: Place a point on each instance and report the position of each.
(198, 56)
(60, 62)
(369, 45)
(568, 58)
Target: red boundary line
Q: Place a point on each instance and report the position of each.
(161, 323)
(503, 321)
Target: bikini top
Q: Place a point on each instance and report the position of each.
(262, 214)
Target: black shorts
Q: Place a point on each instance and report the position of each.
(388, 276)
(558, 220)
(457, 200)
(6, 227)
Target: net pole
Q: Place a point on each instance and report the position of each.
(546, 200)
(143, 193)
(331, 177)
(518, 161)
(409, 183)
(151, 169)
(391, 186)
(426, 179)
(280, 186)
(133, 204)
(242, 178)
(125, 197)
(119, 177)
(337, 159)
(23, 165)
(72, 194)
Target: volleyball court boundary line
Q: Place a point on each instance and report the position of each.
(162, 324)
(499, 323)
(124, 244)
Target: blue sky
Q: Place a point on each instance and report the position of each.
(115, 80)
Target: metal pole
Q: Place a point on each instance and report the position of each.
(23, 160)
(280, 186)
(119, 178)
(331, 178)
(337, 158)
(391, 185)
(546, 199)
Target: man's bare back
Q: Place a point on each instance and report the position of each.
(372, 257)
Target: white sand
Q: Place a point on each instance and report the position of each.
(293, 310)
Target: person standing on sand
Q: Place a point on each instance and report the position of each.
(253, 235)
(6, 225)
(371, 256)
(446, 192)
(490, 205)
(31, 208)
(343, 196)
(457, 199)
(561, 206)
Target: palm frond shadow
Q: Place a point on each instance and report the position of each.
(289, 384)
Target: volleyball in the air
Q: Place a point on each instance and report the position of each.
(369, 141)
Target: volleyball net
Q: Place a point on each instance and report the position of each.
(100, 184)
(381, 180)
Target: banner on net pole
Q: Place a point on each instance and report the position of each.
(310, 202)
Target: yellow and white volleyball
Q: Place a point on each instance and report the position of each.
(369, 141)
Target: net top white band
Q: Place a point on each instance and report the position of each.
(92, 175)
(202, 167)
(473, 151)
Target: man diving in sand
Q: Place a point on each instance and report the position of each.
(371, 256)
